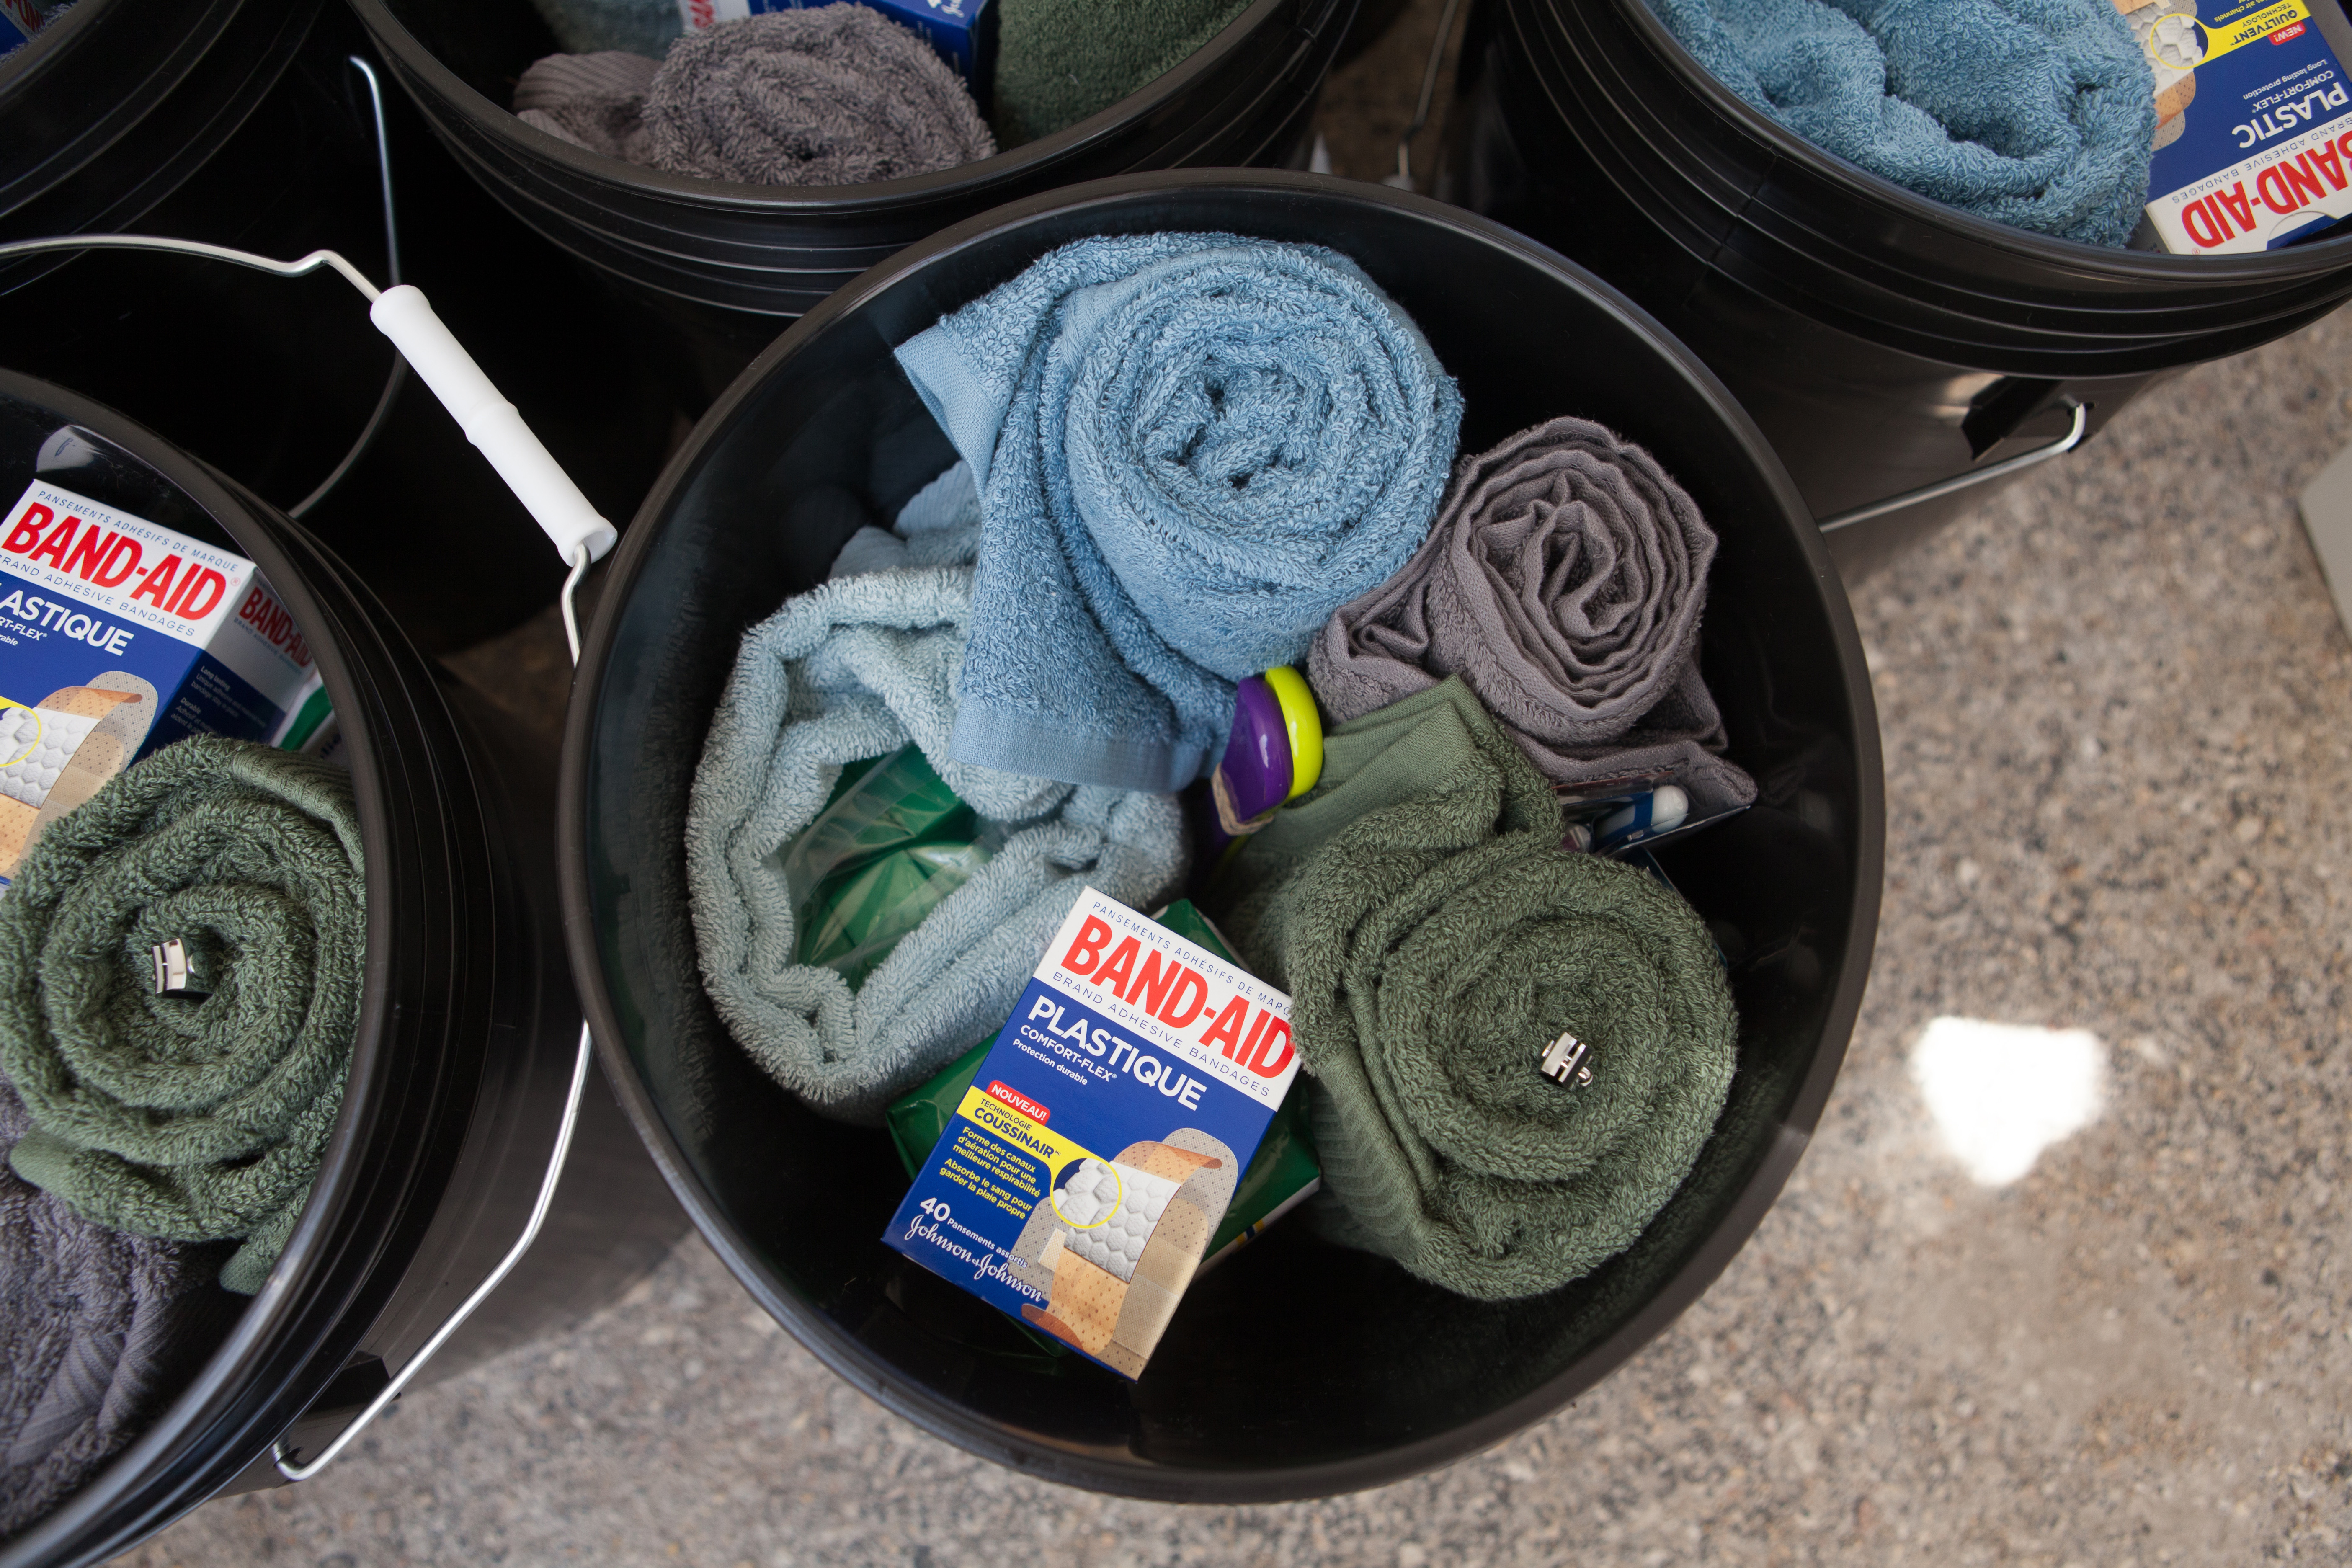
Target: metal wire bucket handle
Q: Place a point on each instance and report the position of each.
(580, 534)
(2065, 444)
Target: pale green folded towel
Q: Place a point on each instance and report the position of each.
(1058, 61)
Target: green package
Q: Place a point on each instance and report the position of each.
(1283, 1172)
(890, 844)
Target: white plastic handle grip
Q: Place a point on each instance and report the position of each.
(491, 422)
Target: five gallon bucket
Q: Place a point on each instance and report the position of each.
(245, 122)
(468, 1035)
(722, 264)
(1296, 1368)
(1886, 343)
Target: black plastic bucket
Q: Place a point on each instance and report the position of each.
(1884, 342)
(1296, 1369)
(468, 1034)
(722, 265)
(243, 122)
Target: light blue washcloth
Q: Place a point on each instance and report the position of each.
(1191, 449)
(859, 668)
(2035, 113)
(585, 26)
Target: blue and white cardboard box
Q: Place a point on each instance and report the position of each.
(2254, 146)
(962, 31)
(1099, 1145)
(118, 636)
(19, 20)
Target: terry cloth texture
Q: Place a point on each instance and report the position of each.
(98, 1332)
(859, 668)
(1191, 449)
(1564, 584)
(2036, 113)
(837, 95)
(1058, 61)
(1434, 937)
(592, 101)
(581, 26)
(183, 1118)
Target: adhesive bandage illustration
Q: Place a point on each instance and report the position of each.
(56, 753)
(1108, 1211)
(2168, 32)
(38, 742)
(2177, 41)
(1121, 1241)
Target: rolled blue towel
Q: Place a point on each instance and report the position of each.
(1190, 449)
(859, 668)
(2035, 113)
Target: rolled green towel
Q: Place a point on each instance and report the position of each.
(1058, 61)
(1436, 939)
(193, 1119)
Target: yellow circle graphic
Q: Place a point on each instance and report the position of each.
(1055, 1198)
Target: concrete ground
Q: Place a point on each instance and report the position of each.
(2115, 706)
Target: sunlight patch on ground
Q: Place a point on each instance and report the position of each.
(2002, 1093)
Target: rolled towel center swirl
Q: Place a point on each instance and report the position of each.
(193, 1119)
(1565, 584)
(1435, 938)
(836, 95)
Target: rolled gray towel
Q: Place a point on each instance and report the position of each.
(837, 95)
(1564, 584)
(98, 1332)
(596, 101)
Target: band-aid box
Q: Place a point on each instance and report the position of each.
(2254, 144)
(118, 636)
(1280, 1176)
(1095, 1152)
(19, 20)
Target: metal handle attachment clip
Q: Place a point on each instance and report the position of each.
(1565, 1062)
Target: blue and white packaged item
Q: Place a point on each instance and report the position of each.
(2254, 144)
(962, 31)
(118, 636)
(19, 20)
(1129, 1038)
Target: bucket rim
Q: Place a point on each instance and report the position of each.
(1889, 199)
(1750, 215)
(999, 1442)
(305, 1307)
(537, 147)
(174, 44)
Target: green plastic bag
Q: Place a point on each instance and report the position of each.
(891, 844)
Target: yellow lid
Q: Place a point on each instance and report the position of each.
(1303, 725)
